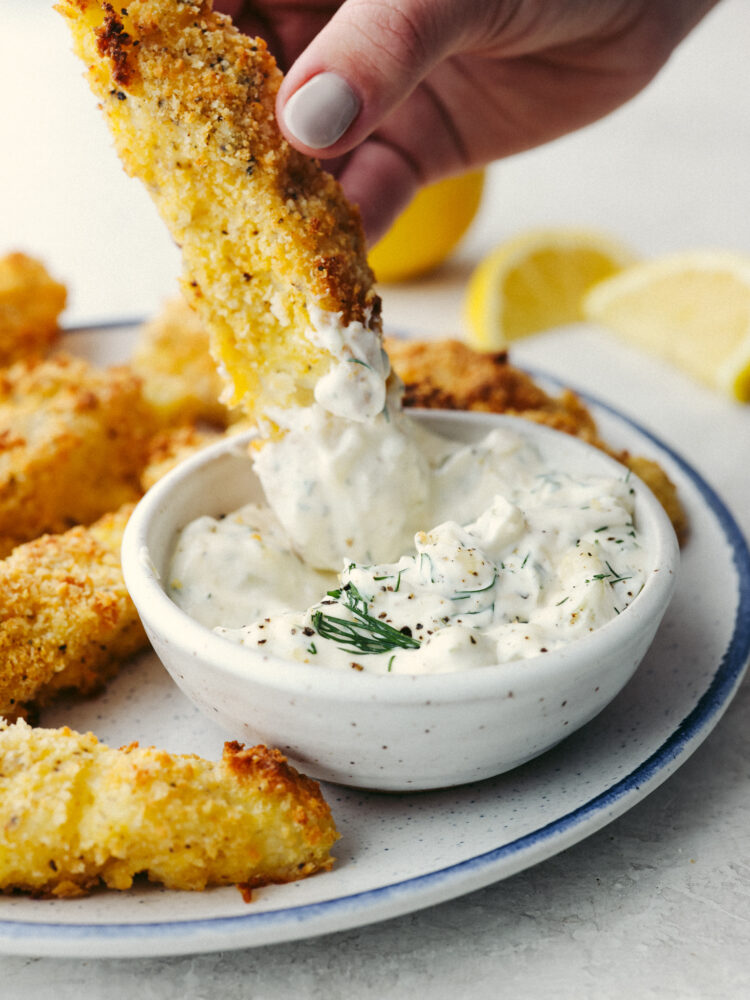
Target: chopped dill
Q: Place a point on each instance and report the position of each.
(611, 576)
(422, 557)
(460, 595)
(367, 634)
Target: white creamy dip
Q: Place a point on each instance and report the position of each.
(354, 388)
(438, 556)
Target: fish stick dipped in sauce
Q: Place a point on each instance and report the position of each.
(274, 257)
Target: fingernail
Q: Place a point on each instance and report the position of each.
(321, 110)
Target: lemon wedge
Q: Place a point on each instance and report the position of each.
(428, 229)
(690, 308)
(536, 281)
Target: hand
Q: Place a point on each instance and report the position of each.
(398, 93)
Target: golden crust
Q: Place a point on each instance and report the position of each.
(73, 441)
(66, 619)
(266, 234)
(75, 813)
(179, 375)
(30, 305)
(662, 487)
(446, 374)
(171, 446)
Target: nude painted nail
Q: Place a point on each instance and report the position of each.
(321, 110)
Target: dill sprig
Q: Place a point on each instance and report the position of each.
(366, 634)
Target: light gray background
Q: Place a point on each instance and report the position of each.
(658, 903)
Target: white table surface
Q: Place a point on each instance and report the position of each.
(657, 904)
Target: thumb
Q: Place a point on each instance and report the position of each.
(366, 60)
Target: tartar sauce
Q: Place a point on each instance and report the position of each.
(354, 388)
(389, 549)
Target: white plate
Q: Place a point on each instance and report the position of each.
(400, 853)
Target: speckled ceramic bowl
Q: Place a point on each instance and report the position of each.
(394, 733)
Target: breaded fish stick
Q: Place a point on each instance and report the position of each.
(73, 442)
(172, 358)
(271, 249)
(66, 619)
(30, 304)
(171, 446)
(75, 813)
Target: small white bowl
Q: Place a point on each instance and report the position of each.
(389, 732)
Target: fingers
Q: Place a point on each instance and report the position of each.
(231, 7)
(321, 111)
(381, 181)
(366, 60)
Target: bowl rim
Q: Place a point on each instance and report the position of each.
(161, 615)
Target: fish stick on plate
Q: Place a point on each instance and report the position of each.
(180, 380)
(274, 257)
(75, 814)
(30, 305)
(73, 441)
(66, 619)
(171, 446)
(447, 374)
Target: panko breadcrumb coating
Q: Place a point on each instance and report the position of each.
(66, 619)
(661, 486)
(73, 441)
(75, 813)
(449, 375)
(30, 305)
(267, 236)
(180, 379)
(171, 446)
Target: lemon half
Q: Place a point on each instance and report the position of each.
(428, 229)
(537, 281)
(690, 308)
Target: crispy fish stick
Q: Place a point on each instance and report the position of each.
(75, 813)
(274, 257)
(171, 446)
(180, 379)
(73, 441)
(30, 304)
(66, 619)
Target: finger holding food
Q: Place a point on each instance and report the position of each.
(274, 257)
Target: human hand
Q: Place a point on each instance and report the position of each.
(398, 93)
